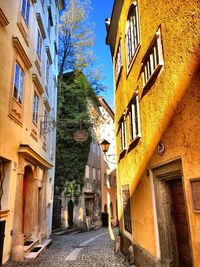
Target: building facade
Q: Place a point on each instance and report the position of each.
(155, 50)
(29, 41)
(106, 131)
(99, 192)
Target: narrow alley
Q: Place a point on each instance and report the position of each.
(88, 249)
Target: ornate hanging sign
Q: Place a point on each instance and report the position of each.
(80, 136)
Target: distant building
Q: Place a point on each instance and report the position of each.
(155, 51)
(99, 191)
(106, 131)
(28, 41)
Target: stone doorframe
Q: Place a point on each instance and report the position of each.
(166, 228)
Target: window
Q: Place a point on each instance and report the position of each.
(39, 45)
(118, 62)
(94, 173)
(47, 71)
(126, 208)
(153, 60)
(134, 119)
(132, 33)
(35, 108)
(25, 10)
(123, 133)
(87, 171)
(99, 174)
(18, 83)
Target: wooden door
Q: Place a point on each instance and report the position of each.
(181, 224)
(2, 235)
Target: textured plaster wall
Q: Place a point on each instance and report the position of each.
(180, 35)
(12, 134)
(181, 139)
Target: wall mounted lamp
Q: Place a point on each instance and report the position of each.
(105, 147)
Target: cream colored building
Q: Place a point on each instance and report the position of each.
(28, 63)
(106, 131)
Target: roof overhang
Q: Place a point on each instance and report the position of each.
(112, 30)
(103, 103)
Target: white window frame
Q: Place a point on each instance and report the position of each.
(18, 84)
(118, 61)
(153, 60)
(35, 108)
(25, 11)
(39, 45)
(123, 134)
(87, 171)
(134, 119)
(94, 173)
(132, 34)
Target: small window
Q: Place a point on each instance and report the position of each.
(39, 45)
(99, 174)
(153, 60)
(118, 62)
(123, 134)
(35, 108)
(25, 10)
(94, 173)
(87, 171)
(134, 119)
(47, 71)
(126, 208)
(132, 33)
(18, 83)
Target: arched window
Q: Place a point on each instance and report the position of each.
(132, 33)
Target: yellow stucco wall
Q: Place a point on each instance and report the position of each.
(180, 36)
(181, 140)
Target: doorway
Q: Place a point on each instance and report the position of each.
(70, 213)
(172, 219)
(28, 207)
(181, 224)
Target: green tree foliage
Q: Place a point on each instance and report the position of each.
(71, 156)
(76, 36)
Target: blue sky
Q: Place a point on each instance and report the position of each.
(102, 9)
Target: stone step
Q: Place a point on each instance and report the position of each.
(29, 244)
(35, 252)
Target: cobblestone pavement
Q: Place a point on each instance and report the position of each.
(90, 249)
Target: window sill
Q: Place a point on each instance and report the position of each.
(34, 131)
(118, 77)
(133, 60)
(151, 80)
(134, 143)
(122, 153)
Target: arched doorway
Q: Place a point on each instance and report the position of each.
(70, 213)
(27, 215)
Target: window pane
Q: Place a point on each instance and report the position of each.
(27, 12)
(16, 82)
(24, 8)
(21, 86)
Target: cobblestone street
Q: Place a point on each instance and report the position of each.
(89, 249)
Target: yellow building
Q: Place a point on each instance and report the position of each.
(28, 63)
(156, 55)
